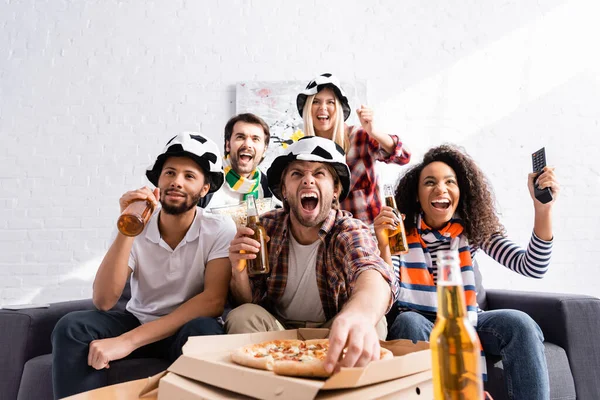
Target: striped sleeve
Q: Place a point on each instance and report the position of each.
(396, 268)
(532, 262)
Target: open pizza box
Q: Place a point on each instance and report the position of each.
(205, 371)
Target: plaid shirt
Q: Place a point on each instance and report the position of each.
(364, 201)
(347, 249)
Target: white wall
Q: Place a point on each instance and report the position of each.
(91, 90)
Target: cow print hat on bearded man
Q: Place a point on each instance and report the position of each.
(197, 147)
(311, 148)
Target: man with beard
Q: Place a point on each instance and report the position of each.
(325, 271)
(246, 141)
(178, 269)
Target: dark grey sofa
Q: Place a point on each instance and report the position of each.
(26, 352)
(570, 324)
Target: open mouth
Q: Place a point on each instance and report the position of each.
(323, 117)
(246, 157)
(309, 201)
(441, 204)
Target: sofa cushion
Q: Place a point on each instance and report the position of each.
(562, 386)
(36, 383)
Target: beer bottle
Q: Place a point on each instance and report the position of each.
(132, 220)
(260, 264)
(397, 237)
(455, 348)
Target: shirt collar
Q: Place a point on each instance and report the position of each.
(153, 233)
(328, 223)
(326, 227)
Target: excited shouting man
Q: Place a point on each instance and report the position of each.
(325, 271)
(246, 141)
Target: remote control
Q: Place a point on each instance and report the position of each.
(539, 162)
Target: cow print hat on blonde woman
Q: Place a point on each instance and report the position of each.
(311, 148)
(319, 83)
(197, 147)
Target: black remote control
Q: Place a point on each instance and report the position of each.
(539, 162)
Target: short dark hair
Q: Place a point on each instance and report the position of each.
(249, 119)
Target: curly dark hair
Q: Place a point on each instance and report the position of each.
(476, 206)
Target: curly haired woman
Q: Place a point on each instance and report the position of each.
(448, 203)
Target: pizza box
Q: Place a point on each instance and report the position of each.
(206, 360)
(413, 387)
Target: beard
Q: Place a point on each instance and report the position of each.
(247, 168)
(188, 203)
(324, 205)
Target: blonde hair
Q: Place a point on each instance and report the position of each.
(339, 132)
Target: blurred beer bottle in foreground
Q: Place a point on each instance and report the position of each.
(455, 348)
(260, 264)
(133, 219)
(397, 237)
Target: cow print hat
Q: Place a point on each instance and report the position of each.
(311, 148)
(319, 83)
(197, 147)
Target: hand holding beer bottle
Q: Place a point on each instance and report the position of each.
(136, 209)
(455, 347)
(397, 237)
(260, 264)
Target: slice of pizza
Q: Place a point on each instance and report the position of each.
(262, 355)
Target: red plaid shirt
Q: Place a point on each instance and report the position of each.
(364, 201)
(347, 249)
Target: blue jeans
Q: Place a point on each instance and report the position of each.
(73, 333)
(511, 334)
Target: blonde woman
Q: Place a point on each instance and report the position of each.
(324, 108)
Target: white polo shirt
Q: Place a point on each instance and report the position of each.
(163, 278)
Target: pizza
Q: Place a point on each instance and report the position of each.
(290, 357)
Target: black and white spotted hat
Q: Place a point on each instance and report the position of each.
(319, 83)
(197, 147)
(311, 148)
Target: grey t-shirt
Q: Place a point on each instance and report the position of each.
(301, 300)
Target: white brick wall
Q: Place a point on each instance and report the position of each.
(90, 91)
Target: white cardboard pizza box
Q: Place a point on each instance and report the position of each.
(206, 359)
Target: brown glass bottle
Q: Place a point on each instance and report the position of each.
(133, 219)
(397, 237)
(260, 264)
(455, 348)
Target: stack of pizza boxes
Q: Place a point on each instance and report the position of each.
(206, 371)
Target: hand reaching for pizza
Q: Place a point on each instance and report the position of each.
(356, 334)
(103, 351)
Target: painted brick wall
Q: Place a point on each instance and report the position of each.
(90, 91)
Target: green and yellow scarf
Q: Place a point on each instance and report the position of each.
(240, 184)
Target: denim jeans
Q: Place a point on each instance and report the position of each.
(511, 334)
(73, 333)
